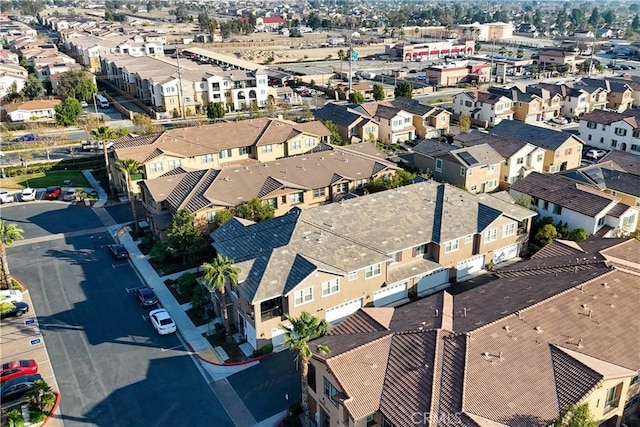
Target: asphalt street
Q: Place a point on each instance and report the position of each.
(111, 366)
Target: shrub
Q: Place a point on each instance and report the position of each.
(37, 416)
(199, 297)
(14, 418)
(267, 349)
(186, 284)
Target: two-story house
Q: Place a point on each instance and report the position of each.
(579, 205)
(541, 332)
(327, 261)
(520, 157)
(430, 121)
(476, 168)
(574, 101)
(206, 147)
(612, 130)
(562, 150)
(619, 94)
(483, 106)
(394, 124)
(527, 107)
(352, 126)
(551, 101)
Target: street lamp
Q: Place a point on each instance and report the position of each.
(23, 161)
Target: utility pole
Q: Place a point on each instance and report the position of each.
(493, 45)
(350, 68)
(593, 49)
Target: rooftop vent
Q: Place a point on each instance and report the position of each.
(538, 329)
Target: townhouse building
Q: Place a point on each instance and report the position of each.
(394, 124)
(551, 101)
(214, 146)
(475, 168)
(619, 94)
(353, 126)
(429, 121)
(527, 107)
(562, 150)
(573, 101)
(483, 106)
(327, 261)
(323, 175)
(579, 205)
(539, 336)
(612, 130)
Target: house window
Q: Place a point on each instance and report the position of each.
(318, 193)
(601, 221)
(635, 147)
(474, 187)
(567, 151)
(614, 143)
(372, 271)
(557, 154)
(273, 202)
(310, 142)
(244, 150)
(438, 165)
(509, 230)
(267, 148)
(557, 209)
(330, 391)
(330, 287)
(296, 145)
(211, 216)
(396, 257)
(490, 168)
(224, 154)
(620, 131)
(342, 188)
(155, 167)
(491, 235)
(295, 198)
(492, 183)
(613, 398)
(360, 183)
(520, 160)
(303, 296)
(468, 239)
(545, 205)
(207, 158)
(463, 171)
(591, 125)
(540, 157)
(629, 221)
(420, 250)
(451, 246)
(636, 134)
(174, 164)
(353, 275)
(311, 377)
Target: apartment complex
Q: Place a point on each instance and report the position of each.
(557, 330)
(329, 261)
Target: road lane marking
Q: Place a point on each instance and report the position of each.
(172, 348)
(59, 236)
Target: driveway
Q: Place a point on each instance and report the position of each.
(111, 366)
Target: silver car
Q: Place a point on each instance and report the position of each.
(6, 197)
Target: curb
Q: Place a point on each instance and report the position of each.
(54, 409)
(245, 362)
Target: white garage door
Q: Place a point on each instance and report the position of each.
(470, 266)
(389, 294)
(251, 334)
(433, 280)
(341, 311)
(506, 253)
(277, 337)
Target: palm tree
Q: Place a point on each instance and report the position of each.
(296, 337)
(104, 134)
(37, 394)
(129, 167)
(9, 233)
(215, 277)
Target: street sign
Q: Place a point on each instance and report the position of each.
(30, 322)
(35, 341)
(354, 56)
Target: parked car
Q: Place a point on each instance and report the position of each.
(118, 252)
(84, 104)
(18, 368)
(10, 295)
(162, 321)
(146, 297)
(52, 193)
(26, 138)
(559, 120)
(28, 194)
(6, 197)
(17, 387)
(69, 195)
(13, 309)
(596, 153)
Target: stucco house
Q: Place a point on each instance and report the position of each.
(612, 130)
(353, 126)
(42, 109)
(429, 121)
(394, 124)
(483, 106)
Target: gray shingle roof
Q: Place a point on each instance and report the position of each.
(341, 115)
(538, 136)
(627, 161)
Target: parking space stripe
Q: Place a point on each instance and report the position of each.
(59, 236)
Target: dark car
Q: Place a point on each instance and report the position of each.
(52, 193)
(18, 368)
(146, 297)
(118, 252)
(16, 309)
(26, 138)
(17, 387)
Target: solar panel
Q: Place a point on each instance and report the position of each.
(468, 158)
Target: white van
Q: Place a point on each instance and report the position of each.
(102, 101)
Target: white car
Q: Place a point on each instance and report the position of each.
(559, 120)
(84, 104)
(596, 154)
(161, 320)
(6, 197)
(28, 194)
(10, 295)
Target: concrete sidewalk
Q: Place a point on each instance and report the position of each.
(102, 195)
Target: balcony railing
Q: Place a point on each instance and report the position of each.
(271, 313)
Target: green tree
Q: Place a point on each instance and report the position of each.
(465, 123)
(575, 416)
(13, 95)
(378, 92)
(216, 276)
(77, 84)
(594, 18)
(578, 235)
(37, 395)
(335, 137)
(9, 233)
(215, 110)
(403, 89)
(130, 167)
(199, 297)
(356, 98)
(144, 125)
(297, 336)
(255, 210)
(546, 234)
(68, 111)
(32, 87)
(635, 24)
(32, 7)
(222, 217)
(399, 179)
(183, 236)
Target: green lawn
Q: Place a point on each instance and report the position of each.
(44, 179)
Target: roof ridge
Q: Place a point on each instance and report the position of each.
(196, 187)
(386, 334)
(582, 366)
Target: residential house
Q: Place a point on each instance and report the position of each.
(520, 157)
(551, 101)
(483, 106)
(284, 95)
(26, 111)
(611, 130)
(210, 146)
(429, 121)
(562, 150)
(619, 94)
(622, 160)
(551, 59)
(352, 126)
(394, 124)
(515, 351)
(324, 175)
(9, 81)
(573, 101)
(579, 205)
(527, 107)
(476, 168)
(632, 81)
(328, 261)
